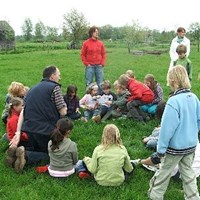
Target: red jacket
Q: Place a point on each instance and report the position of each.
(11, 126)
(139, 91)
(93, 52)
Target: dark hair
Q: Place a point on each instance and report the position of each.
(71, 89)
(92, 30)
(181, 29)
(160, 109)
(48, 71)
(62, 127)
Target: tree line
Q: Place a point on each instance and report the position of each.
(75, 30)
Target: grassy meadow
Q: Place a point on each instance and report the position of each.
(26, 66)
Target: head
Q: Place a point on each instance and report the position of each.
(130, 73)
(160, 109)
(111, 136)
(150, 81)
(92, 89)
(17, 89)
(177, 78)
(16, 104)
(118, 88)
(71, 91)
(63, 128)
(181, 32)
(106, 86)
(181, 50)
(123, 80)
(94, 32)
(52, 73)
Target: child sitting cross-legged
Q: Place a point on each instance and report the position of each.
(89, 102)
(110, 163)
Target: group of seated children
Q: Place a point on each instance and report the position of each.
(132, 99)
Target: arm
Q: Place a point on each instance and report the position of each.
(75, 154)
(103, 54)
(83, 54)
(127, 163)
(91, 163)
(16, 138)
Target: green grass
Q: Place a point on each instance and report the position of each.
(27, 68)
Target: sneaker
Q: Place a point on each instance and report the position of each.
(20, 161)
(11, 156)
(83, 119)
(151, 168)
(136, 162)
(96, 118)
(147, 161)
(84, 175)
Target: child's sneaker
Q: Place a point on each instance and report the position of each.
(136, 162)
(84, 175)
(21, 161)
(96, 118)
(11, 158)
(83, 119)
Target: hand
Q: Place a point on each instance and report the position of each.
(15, 141)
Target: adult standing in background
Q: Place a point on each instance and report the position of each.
(44, 105)
(93, 55)
(179, 39)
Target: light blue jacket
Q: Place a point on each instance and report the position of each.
(180, 124)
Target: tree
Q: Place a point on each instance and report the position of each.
(76, 24)
(27, 29)
(52, 34)
(194, 30)
(40, 31)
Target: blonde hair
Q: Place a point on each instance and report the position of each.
(91, 87)
(177, 78)
(123, 79)
(111, 136)
(105, 85)
(117, 85)
(130, 73)
(15, 89)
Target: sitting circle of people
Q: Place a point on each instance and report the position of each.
(40, 120)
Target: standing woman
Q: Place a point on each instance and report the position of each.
(178, 137)
(93, 56)
(179, 39)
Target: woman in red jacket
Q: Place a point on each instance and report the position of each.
(93, 56)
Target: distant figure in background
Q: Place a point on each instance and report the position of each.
(179, 39)
(183, 59)
(93, 55)
(72, 101)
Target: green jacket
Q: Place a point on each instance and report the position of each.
(108, 165)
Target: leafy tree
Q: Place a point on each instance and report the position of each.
(40, 31)
(52, 34)
(76, 25)
(106, 32)
(27, 29)
(194, 30)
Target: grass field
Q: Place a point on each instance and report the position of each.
(27, 68)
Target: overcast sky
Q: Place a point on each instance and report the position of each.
(154, 14)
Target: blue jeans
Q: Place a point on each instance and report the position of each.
(94, 71)
(88, 114)
(34, 157)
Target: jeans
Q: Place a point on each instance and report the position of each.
(88, 114)
(94, 71)
(33, 157)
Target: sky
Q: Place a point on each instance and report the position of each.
(154, 14)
